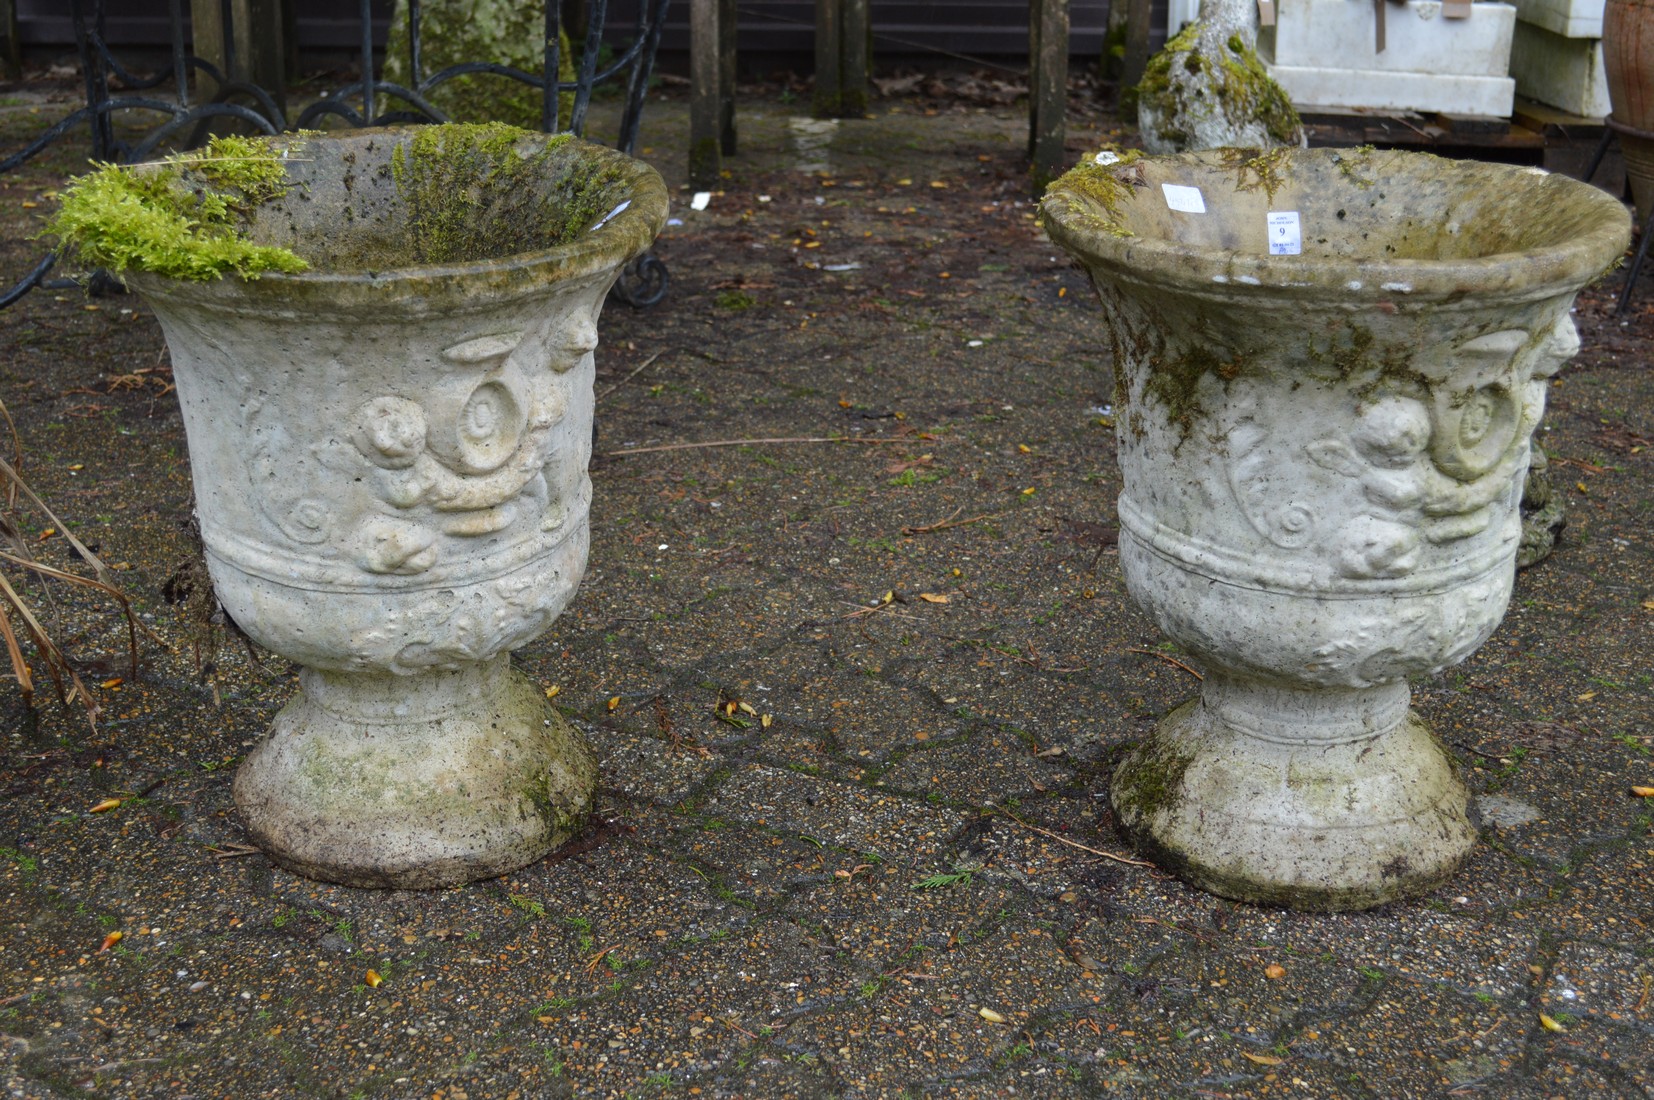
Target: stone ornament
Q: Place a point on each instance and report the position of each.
(1322, 453)
(390, 471)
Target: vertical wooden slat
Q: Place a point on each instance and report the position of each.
(11, 50)
(207, 43)
(855, 38)
(250, 50)
(260, 58)
(726, 77)
(1033, 73)
(705, 40)
(1139, 14)
(829, 26)
(1048, 88)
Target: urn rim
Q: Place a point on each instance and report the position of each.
(1577, 250)
(623, 234)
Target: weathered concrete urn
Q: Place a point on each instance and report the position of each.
(389, 453)
(1328, 365)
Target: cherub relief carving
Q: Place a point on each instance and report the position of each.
(1431, 461)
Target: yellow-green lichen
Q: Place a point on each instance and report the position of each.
(483, 191)
(184, 217)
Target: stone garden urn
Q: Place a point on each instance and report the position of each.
(389, 451)
(1328, 367)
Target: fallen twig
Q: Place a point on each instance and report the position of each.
(591, 964)
(947, 523)
(629, 377)
(749, 443)
(1058, 837)
(736, 1027)
(233, 851)
(1168, 658)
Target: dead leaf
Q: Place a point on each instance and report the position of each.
(48, 533)
(1643, 792)
(113, 682)
(614, 702)
(747, 708)
(1274, 971)
(111, 940)
(372, 978)
(552, 691)
(990, 1015)
(105, 806)
(766, 720)
(1586, 698)
(1551, 1025)
(932, 597)
(1262, 1059)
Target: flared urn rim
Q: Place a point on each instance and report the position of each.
(633, 201)
(1479, 229)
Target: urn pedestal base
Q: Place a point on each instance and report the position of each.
(1359, 806)
(415, 781)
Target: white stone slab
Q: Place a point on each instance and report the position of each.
(1563, 72)
(1309, 88)
(1569, 18)
(1340, 34)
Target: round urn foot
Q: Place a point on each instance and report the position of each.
(415, 782)
(1347, 820)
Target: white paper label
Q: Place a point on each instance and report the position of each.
(1186, 199)
(1285, 237)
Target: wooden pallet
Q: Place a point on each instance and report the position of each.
(1534, 134)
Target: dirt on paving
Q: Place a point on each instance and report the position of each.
(890, 869)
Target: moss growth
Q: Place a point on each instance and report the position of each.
(1255, 168)
(1249, 91)
(1175, 381)
(454, 31)
(1242, 86)
(1105, 185)
(472, 192)
(1356, 166)
(1150, 781)
(184, 217)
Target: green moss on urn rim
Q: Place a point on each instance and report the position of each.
(347, 214)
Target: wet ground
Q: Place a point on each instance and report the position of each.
(890, 869)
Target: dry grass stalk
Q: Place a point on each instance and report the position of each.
(19, 621)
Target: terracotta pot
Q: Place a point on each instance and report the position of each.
(389, 455)
(1628, 57)
(1322, 453)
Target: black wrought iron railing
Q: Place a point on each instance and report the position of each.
(370, 101)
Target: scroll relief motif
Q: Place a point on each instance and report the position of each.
(1421, 466)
